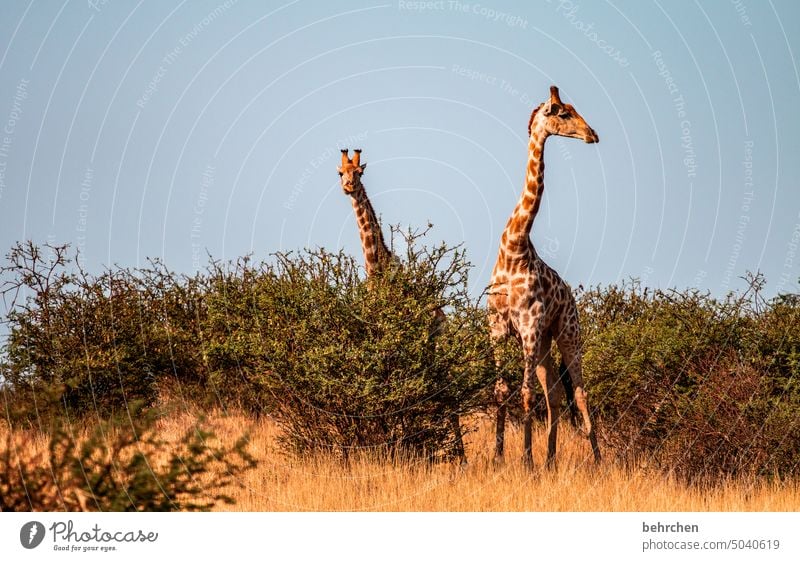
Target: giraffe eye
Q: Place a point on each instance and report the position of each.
(340, 174)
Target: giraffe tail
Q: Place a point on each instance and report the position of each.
(569, 391)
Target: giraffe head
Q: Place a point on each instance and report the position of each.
(561, 119)
(350, 172)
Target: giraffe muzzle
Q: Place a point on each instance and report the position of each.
(592, 137)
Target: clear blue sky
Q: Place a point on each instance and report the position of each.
(171, 129)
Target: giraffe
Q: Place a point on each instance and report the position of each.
(529, 300)
(376, 254)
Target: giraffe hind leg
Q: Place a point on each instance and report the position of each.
(571, 354)
(499, 332)
(565, 380)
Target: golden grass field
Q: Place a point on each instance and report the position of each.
(282, 483)
(285, 483)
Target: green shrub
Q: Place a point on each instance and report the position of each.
(339, 361)
(80, 343)
(684, 381)
(350, 364)
(693, 384)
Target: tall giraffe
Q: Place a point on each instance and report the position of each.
(529, 300)
(376, 254)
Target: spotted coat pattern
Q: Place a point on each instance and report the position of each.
(529, 300)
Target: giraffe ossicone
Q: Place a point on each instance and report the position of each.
(529, 300)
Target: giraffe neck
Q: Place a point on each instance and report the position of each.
(376, 254)
(517, 232)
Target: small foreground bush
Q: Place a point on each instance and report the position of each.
(122, 465)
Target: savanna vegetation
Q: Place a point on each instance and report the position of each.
(343, 373)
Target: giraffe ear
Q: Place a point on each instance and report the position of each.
(552, 108)
(362, 167)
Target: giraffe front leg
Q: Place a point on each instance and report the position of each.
(553, 394)
(498, 332)
(536, 353)
(528, 393)
(532, 347)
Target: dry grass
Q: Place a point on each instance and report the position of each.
(283, 483)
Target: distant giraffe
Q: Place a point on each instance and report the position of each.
(529, 300)
(376, 254)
